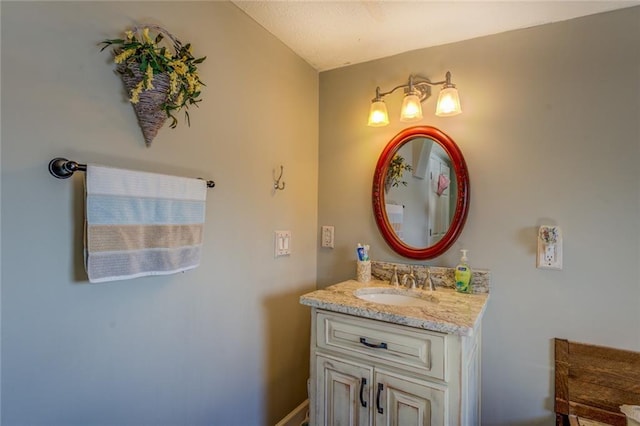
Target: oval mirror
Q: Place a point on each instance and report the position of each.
(421, 192)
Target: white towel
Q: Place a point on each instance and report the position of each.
(395, 214)
(140, 223)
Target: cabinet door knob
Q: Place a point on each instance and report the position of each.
(362, 383)
(380, 387)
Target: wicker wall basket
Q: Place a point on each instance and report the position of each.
(159, 82)
(151, 117)
(148, 110)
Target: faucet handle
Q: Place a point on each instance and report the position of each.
(394, 277)
(428, 282)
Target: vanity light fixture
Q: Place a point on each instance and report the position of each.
(416, 91)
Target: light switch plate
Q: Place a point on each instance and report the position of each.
(282, 243)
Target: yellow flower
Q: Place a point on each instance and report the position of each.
(193, 82)
(179, 67)
(180, 99)
(124, 55)
(135, 93)
(129, 35)
(173, 83)
(149, 77)
(145, 35)
(168, 54)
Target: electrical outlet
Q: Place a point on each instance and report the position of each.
(327, 236)
(282, 242)
(549, 254)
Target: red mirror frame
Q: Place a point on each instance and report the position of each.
(462, 202)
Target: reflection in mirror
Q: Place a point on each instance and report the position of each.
(420, 192)
(421, 201)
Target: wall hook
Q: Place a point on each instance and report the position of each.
(276, 182)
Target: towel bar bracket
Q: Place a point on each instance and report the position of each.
(62, 168)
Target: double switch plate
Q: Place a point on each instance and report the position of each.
(282, 242)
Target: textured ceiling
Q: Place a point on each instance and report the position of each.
(332, 34)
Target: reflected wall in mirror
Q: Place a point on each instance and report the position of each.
(420, 192)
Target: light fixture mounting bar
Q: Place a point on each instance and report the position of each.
(416, 90)
(415, 81)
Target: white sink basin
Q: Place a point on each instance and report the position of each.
(390, 297)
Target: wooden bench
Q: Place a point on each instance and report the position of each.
(592, 382)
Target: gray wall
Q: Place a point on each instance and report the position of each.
(550, 132)
(224, 344)
(551, 135)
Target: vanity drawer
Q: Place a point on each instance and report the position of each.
(419, 350)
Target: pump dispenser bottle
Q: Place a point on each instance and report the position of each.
(463, 274)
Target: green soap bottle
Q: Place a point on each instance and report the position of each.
(463, 274)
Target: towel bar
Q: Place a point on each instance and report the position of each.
(62, 168)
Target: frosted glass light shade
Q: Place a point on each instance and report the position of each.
(378, 115)
(448, 103)
(411, 108)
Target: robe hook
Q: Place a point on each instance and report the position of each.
(276, 182)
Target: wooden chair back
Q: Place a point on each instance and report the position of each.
(592, 382)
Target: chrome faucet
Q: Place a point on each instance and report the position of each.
(409, 277)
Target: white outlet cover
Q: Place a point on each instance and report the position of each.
(327, 236)
(549, 256)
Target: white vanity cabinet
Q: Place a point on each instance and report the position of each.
(370, 372)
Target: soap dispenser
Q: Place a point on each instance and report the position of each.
(463, 274)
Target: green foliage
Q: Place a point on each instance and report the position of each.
(395, 172)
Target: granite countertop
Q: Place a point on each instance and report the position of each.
(447, 311)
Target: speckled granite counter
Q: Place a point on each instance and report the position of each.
(446, 311)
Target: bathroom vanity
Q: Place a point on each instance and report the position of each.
(397, 356)
(384, 355)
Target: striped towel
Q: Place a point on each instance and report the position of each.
(395, 214)
(140, 223)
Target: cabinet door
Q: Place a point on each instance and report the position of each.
(343, 392)
(399, 401)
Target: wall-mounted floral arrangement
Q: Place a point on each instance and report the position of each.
(160, 81)
(395, 172)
